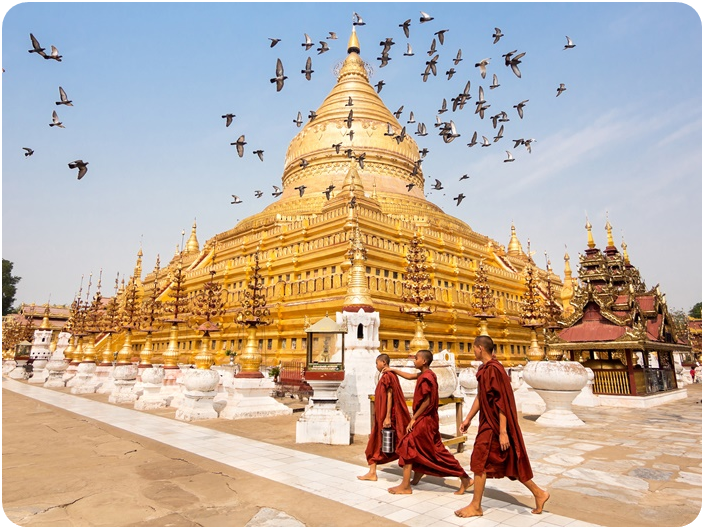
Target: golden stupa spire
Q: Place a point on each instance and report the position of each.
(609, 234)
(45, 326)
(138, 266)
(353, 44)
(567, 291)
(624, 246)
(514, 245)
(590, 237)
(192, 245)
(358, 294)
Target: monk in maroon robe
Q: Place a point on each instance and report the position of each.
(421, 450)
(390, 411)
(499, 450)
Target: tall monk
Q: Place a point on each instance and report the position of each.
(499, 450)
(390, 411)
(421, 449)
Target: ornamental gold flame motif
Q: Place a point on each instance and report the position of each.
(151, 309)
(179, 304)
(254, 310)
(532, 313)
(416, 281)
(483, 302)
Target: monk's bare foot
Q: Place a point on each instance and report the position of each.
(469, 511)
(416, 478)
(400, 489)
(540, 501)
(465, 483)
(367, 477)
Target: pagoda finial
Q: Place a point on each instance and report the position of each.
(358, 294)
(624, 246)
(138, 265)
(590, 237)
(609, 234)
(514, 245)
(567, 292)
(192, 245)
(353, 44)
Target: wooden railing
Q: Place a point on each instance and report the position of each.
(611, 382)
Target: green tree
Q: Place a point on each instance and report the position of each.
(696, 311)
(9, 287)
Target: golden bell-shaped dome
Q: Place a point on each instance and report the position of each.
(388, 164)
(514, 245)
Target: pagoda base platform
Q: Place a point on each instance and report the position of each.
(251, 397)
(646, 401)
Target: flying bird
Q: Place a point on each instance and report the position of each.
(54, 54)
(274, 42)
(457, 59)
(464, 177)
(36, 47)
(277, 191)
(308, 69)
(239, 144)
(494, 82)
(227, 118)
(509, 157)
(569, 44)
(280, 77)
(482, 66)
(423, 152)
(410, 186)
(349, 102)
(360, 159)
(409, 50)
(357, 20)
(485, 141)
(389, 130)
(425, 17)
(80, 165)
(299, 119)
(443, 108)
(459, 198)
(387, 43)
(258, 193)
(65, 100)
(441, 35)
(497, 35)
(328, 190)
(438, 185)
(474, 140)
(350, 134)
(332, 36)
(411, 118)
(422, 131)
(259, 153)
(312, 115)
(29, 152)
(303, 164)
(527, 144)
(308, 44)
(337, 146)
(519, 141)
(56, 123)
(349, 120)
(379, 86)
(397, 114)
(401, 136)
(432, 47)
(236, 200)
(560, 89)
(450, 73)
(519, 108)
(514, 62)
(301, 189)
(499, 134)
(405, 27)
(384, 60)
(323, 47)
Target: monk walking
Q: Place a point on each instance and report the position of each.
(421, 449)
(499, 450)
(390, 411)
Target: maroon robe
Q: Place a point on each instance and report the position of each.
(423, 446)
(400, 417)
(495, 393)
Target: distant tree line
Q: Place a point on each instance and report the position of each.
(9, 287)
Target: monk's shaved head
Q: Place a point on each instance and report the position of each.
(485, 342)
(426, 355)
(384, 358)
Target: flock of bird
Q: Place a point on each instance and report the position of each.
(447, 130)
(64, 100)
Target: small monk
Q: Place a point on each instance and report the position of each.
(499, 450)
(421, 450)
(390, 411)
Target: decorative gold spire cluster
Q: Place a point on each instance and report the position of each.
(590, 237)
(417, 288)
(358, 294)
(254, 311)
(532, 311)
(151, 309)
(483, 303)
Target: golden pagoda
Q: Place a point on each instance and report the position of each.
(303, 242)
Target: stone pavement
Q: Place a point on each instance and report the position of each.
(624, 468)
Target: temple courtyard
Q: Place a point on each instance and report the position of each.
(79, 461)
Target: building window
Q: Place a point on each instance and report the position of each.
(395, 275)
(293, 343)
(288, 277)
(269, 344)
(261, 344)
(378, 272)
(212, 345)
(431, 345)
(283, 343)
(439, 346)
(368, 269)
(303, 343)
(386, 273)
(239, 344)
(461, 347)
(360, 332)
(384, 344)
(333, 269)
(395, 345)
(512, 349)
(407, 345)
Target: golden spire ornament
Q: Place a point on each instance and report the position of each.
(129, 317)
(358, 294)
(208, 304)
(483, 303)
(253, 314)
(178, 305)
(532, 314)
(417, 290)
(590, 237)
(150, 313)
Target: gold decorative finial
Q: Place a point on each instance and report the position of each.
(609, 234)
(590, 237)
(514, 245)
(624, 246)
(192, 245)
(353, 44)
(358, 294)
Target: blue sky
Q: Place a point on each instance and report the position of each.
(149, 83)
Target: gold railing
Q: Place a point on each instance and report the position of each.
(610, 382)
